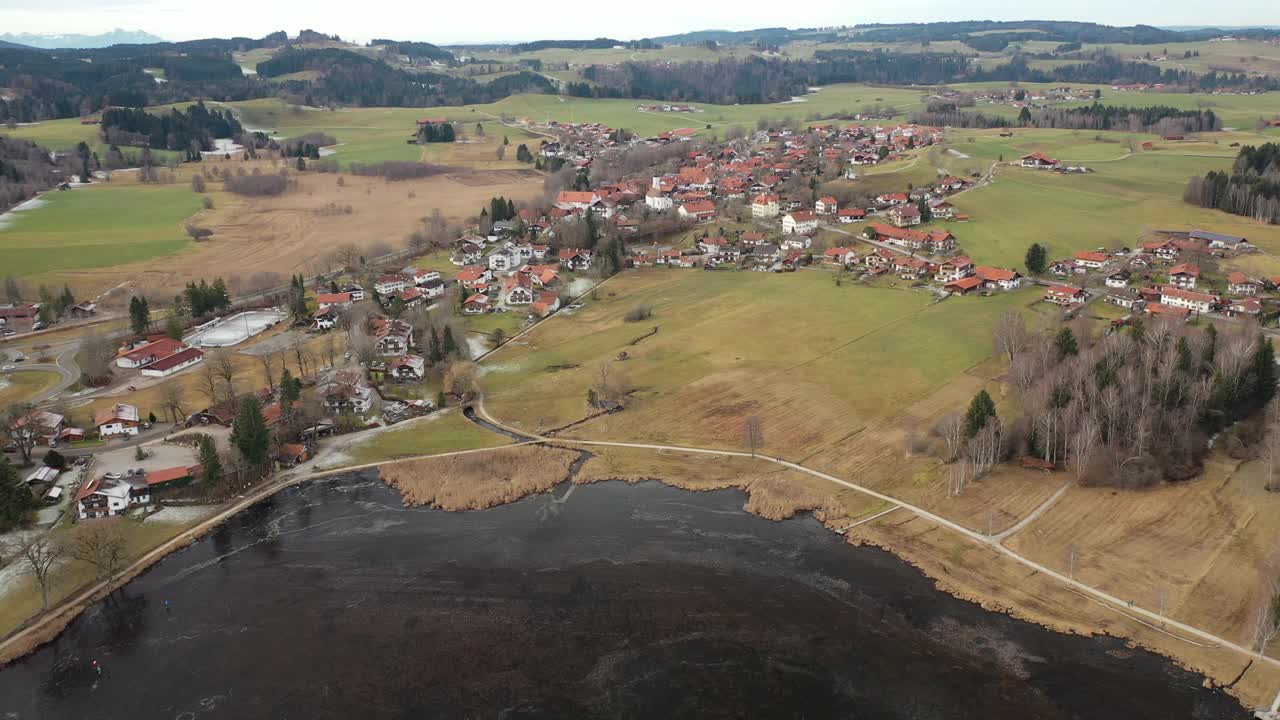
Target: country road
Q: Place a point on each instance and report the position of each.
(1148, 618)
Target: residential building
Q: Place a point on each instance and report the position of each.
(390, 285)
(1118, 279)
(119, 420)
(576, 259)
(903, 216)
(765, 206)
(1188, 299)
(697, 210)
(392, 337)
(1065, 295)
(826, 205)
(1184, 276)
(1091, 260)
(850, 215)
(338, 300)
(407, 368)
(994, 278)
(1240, 284)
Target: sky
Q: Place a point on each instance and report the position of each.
(511, 20)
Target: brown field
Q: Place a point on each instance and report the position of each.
(1197, 547)
(294, 232)
(479, 480)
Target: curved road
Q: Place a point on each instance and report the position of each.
(66, 367)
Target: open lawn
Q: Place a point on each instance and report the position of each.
(443, 432)
(100, 226)
(16, 387)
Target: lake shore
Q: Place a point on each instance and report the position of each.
(597, 600)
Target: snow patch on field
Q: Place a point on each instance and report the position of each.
(184, 514)
(34, 203)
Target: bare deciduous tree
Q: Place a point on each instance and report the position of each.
(171, 401)
(101, 545)
(1010, 335)
(224, 367)
(37, 556)
(753, 433)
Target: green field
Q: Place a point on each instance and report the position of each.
(817, 360)
(443, 433)
(22, 386)
(1109, 207)
(100, 226)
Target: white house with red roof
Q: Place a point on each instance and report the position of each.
(1039, 161)
(119, 420)
(1091, 259)
(148, 353)
(765, 206)
(826, 205)
(1188, 299)
(1240, 284)
(339, 300)
(997, 278)
(801, 222)
(850, 215)
(1184, 275)
(697, 210)
(1066, 295)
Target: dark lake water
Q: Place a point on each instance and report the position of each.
(331, 600)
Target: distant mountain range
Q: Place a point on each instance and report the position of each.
(71, 40)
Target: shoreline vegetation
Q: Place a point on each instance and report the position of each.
(773, 493)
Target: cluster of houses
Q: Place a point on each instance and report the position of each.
(115, 494)
(1181, 292)
(1018, 97)
(158, 356)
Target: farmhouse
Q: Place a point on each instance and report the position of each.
(1247, 307)
(954, 269)
(1092, 260)
(1184, 275)
(407, 368)
(840, 256)
(339, 300)
(1040, 161)
(119, 420)
(903, 216)
(108, 496)
(765, 206)
(1065, 295)
(1160, 309)
(909, 268)
(826, 205)
(575, 200)
(849, 215)
(1164, 250)
(1240, 284)
(325, 318)
(576, 259)
(893, 199)
(1188, 299)
(997, 278)
(392, 337)
(1118, 279)
(799, 222)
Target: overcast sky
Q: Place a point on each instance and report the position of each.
(452, 21)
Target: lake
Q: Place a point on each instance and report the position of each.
(332, 600)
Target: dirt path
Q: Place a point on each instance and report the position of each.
(1128, 608)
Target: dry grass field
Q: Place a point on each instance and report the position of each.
(295, 232)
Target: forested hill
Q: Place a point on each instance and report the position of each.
(417, 50)
(348, 78)
(760, 80)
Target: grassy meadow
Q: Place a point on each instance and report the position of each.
(100, 226)
(1111, 207)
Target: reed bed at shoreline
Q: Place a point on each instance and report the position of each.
(480, 480)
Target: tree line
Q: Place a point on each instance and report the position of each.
(1136, 407)
(192, 131)
(1159, 119)
(1252, 188)
(26, 170)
